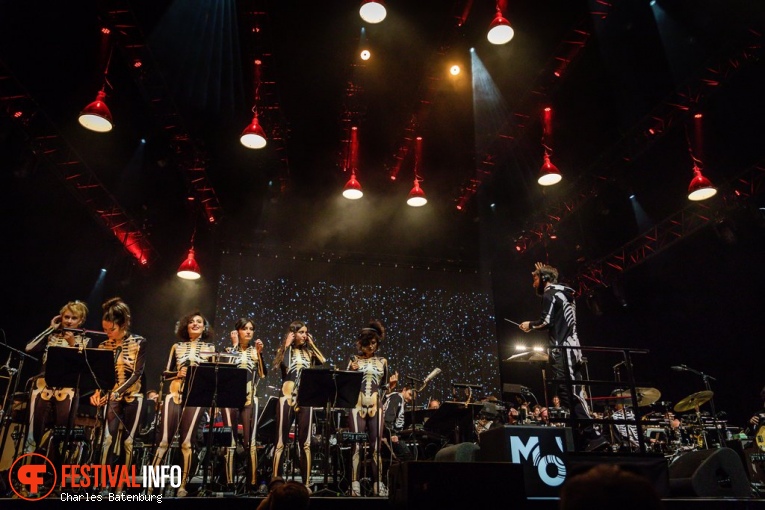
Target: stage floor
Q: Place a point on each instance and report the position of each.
(376, 503)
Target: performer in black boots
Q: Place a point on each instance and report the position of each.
(297, 352)
(247, 355)
(125, 400)
(559, 318)
(368, 415)
(192, 350)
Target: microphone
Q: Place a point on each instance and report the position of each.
(680, 368)
(432, 375)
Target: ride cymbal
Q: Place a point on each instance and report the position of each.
(693, 401)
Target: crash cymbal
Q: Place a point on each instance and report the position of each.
(646, 396)
(691, 402)
(528, 357)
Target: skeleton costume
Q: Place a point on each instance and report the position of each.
(296, 358)
(177, 418)
(43, 398)
(368, 415)
(127, 400)
(559, 318)
(248, 414)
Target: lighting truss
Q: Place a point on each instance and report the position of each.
(668, 232)
(426, 94)
(565, 55)
(671, 111)
(50, 147)
(130, 40)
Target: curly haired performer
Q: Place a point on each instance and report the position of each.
(125, 399)
(297, 352)
(192, 329)
(559, 318)
(368, 414)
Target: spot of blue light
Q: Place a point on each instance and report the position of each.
(103, 270)
(143, 140)
(632, 197)
(652, 3)
(472, 50)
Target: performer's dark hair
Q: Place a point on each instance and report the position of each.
(374, 330)
(294, 327)
(182, 330)
(242, 322)
(116, 311)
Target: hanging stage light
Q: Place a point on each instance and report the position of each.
(189, 269)
(372, 11)
(352, 189)
(417, 196)
(700, 188)
(500, 31)
(549, 173)
(253, 136)
(96, 116)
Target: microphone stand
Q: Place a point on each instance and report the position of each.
(706, 378)
(5, 416)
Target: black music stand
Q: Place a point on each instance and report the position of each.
(215, 385)
(448, 418)
(84, 370)
(320, 387)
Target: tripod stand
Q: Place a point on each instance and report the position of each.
(320, 387)
(217, 385)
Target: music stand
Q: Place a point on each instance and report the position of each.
(214, 385)
(82, 369)
(320, 387)
(447, 418)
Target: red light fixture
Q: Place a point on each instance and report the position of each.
(416, 196)
(352, 189)
(700, 187)
(189, 269)
(500, 31)
(549, 173)
(253, 136)
(96, 116)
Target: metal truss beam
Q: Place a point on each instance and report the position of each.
(50, 147)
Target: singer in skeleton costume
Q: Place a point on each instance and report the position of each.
(192, 350)
(45, 399)
(559, 318)
(125, 400)
(368, 415)
(249, 357)
(297, 352)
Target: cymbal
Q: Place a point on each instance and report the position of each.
(529, 357)
(646, 396)
(693, 401)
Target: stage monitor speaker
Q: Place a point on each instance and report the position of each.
(432, 484)
(716, 473)
(652, 467)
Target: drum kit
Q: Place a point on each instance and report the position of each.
(663, 430)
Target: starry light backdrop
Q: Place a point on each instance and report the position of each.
(433, 318)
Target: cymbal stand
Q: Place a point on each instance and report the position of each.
(706, 378)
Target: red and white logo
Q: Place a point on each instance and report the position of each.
(30, 473)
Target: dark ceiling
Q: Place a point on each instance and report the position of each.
(626, 67)
(623, 62)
